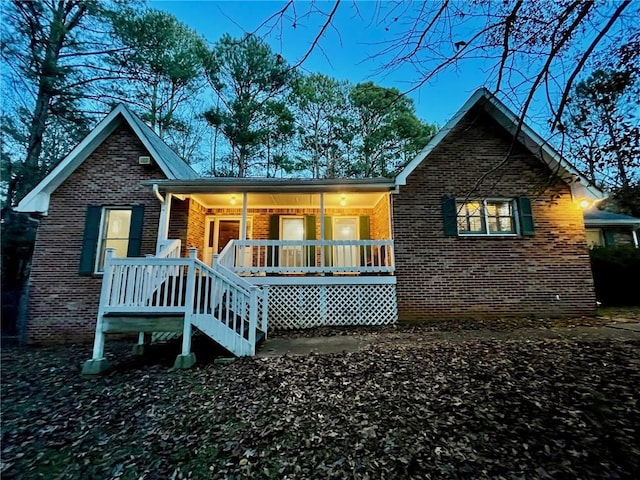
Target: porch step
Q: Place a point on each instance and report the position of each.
(142, 322)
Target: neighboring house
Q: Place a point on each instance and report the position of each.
(476, 225)
(605, 229)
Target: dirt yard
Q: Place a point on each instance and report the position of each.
(416, 403)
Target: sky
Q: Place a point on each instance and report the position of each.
(342, 51)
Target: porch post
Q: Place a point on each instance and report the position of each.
(243, 224)
(322, 228)
(163, 222)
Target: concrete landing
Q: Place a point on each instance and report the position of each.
(305, 345)
(633, 327)
(279, 346)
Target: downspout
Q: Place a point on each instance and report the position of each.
(163, 221)
(156, 192)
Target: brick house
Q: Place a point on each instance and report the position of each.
(606, 229)
(478, 224)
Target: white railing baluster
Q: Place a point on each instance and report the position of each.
(308, 256)
(215, 299)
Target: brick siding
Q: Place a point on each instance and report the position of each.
(547, 274)
(63, 305)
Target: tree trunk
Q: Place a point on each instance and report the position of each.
(49, 74)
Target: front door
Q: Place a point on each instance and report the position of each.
(219, 232)
(346, 228)
(291, 229)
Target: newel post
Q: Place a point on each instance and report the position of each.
(187, 359)
(253, 317)
(98, 363)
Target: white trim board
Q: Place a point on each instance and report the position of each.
(37, 200)
(326, 280)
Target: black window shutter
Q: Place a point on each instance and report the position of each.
(309, 234)
(365, 234)
(90, 239)
(310, 227)
(449, 216)
(328, 235)
(609, 238)
(274, 234)
(526, 217)
(135, 231)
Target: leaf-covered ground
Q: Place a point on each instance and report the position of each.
(512, 409)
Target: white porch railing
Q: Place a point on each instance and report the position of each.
(249, 257)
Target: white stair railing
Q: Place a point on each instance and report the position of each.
(216, 300)
(225, 307)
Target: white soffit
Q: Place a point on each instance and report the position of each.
(289, 200)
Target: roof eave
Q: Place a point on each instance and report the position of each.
(37, 200)
(527, 136)
(226, 186)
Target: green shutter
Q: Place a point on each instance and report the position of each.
(609, 238)
(328, 235)
(365, 234)
(274, 234)
(310, 227)
(90, 239)
(526, 217)
(309, 234)
(135, 231)
(450, 216)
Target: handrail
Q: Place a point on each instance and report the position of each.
(216, 300)
(169, 249)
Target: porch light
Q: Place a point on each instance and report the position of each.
(343, 200)
(584, 203)
(233, 200)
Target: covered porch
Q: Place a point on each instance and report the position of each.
(322, 250)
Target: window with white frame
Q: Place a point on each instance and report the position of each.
(115, 228)
(486, 217)
(595, 238)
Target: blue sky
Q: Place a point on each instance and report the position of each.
(343, 51)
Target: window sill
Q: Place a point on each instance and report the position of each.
(489, 235)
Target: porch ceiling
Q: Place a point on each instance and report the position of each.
(289, 200)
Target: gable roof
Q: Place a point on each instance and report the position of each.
(533, 142)
(37, 200)
(596, 217)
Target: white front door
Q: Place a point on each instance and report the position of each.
(291, 228)
(346, 228)
(219, 232)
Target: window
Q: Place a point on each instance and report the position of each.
(105, 227)
(491, 217)
(115, 230)
(594, 237)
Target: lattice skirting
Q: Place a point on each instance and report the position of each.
(307, 306)
(164, 336)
